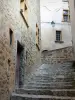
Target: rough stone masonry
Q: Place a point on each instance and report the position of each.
(7, 71)
(57, 56)
(10, 18)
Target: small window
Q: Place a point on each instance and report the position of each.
(66, 15)
(21, 0)
(21, 6)
(24, 11)
(58, 35)
(11, 36)
(9, 62)
(65, 12)
(25, 4)
(37, 37)
(65, 18)
(25, 7)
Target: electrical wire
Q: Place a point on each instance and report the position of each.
(54, 9)
(54, 2)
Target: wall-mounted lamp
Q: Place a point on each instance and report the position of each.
(53, 24)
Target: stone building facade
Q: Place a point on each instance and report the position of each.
(19, 54)
(7, 68)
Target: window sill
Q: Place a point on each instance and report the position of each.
(66, 21)
(24, 18)
(38, 47)
(59, 41)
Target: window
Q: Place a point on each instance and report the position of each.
(66, 16)
(58, 35)
(22, 0)
(65, 12)
(9, 62)
(25, 6)
(11, 36)
(24, 10)
(22, 5)
(37, 37)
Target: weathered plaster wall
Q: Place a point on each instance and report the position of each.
(52, 10)
(57, 56)
(48, 36)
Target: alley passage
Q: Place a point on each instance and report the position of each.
(49, 82)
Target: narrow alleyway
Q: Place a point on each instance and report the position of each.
(49, 82)
(37, 50)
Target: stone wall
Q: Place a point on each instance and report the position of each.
(57, 56)
(11, 18)
(32, 54)
(7, 68)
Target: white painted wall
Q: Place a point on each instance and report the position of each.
(52, 10)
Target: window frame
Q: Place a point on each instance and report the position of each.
(66, 15)
(65, 0)
(37, 37)
(23, 11)
(10, 36)
(58, 35)
(59, 41)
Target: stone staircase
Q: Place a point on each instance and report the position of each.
(49, 82)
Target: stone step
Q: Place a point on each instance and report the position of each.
(49, 87)
(56, 67)
(62, 75)
(58, 79)
(50, 84)
(52, 74)
(67, 64)
(48, 81)
(58, 75)
(51, 70)
(54, 92)
(55, 71)
(39, 97)
(64, 92)
(44, 66)
(59, 64)
(52, 78)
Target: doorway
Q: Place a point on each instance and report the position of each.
(19, 67)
